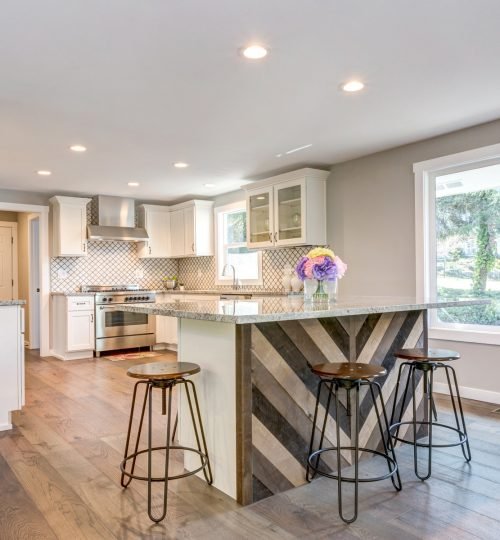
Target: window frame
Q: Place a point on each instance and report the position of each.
(425, 240)
(219, 211)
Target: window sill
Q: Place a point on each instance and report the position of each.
(466, 336)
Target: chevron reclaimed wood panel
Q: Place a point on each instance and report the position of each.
(283, 391)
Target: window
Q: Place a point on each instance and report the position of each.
(231, 230)
(458, 242)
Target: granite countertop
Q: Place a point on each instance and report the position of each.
(211, 292)
(71, 293)
(12, 302)
(281, 308)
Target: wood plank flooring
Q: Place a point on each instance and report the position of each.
(59, 477)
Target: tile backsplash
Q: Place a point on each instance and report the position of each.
(109, 263)
(199, 272)
(114, 263)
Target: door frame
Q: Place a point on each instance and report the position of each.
(34, 315)
(43, 212)
(15, 270)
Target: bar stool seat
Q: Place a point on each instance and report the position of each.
(163, 376)
(350, 377)
(427, 361)
(427, 355)
(161, 371)
(348, 371)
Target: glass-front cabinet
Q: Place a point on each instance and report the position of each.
(260, 222)
(287, 210)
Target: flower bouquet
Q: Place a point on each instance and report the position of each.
(320, 271)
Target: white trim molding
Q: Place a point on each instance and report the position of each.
(478, 394)
(43, 212)
(425, 240)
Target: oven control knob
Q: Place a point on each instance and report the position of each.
(127, 299)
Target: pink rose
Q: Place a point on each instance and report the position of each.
(341, 266)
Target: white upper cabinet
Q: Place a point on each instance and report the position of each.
(69, 226)
(191, 229)
(156, 220)
(287, 210)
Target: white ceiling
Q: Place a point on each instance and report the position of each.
(144, 83)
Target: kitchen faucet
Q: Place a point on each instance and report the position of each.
(235, 281)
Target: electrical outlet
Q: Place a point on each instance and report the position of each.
(62, 274)
(139, 273)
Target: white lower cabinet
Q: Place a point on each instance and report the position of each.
(11, 363)
(73, 327)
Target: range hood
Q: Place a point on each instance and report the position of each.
(113, 218)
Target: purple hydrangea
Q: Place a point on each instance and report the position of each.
(300, 268)
(325, 271)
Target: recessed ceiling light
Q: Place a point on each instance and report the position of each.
(352, 86)
(44, 173)
(133, 184)
(209, 185)
(78, 148)
(254, 52)
(260, 198)
(180, 165)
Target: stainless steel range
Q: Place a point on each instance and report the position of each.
(116, 329)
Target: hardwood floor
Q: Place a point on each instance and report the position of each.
(59, 477)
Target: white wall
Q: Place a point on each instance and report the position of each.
(371, 224)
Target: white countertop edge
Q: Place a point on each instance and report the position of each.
(200, 311)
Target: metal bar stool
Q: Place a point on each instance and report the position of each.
(428, 361)
(350, 377)
(164, 376)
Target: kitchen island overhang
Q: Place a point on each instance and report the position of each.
(256, 390)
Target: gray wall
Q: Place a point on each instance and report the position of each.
(371, 225)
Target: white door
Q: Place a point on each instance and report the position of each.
(80, 330)
(189, 231)
(6, 264)
(177, 233)
(34, 284)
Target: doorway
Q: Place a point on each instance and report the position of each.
(42, 298)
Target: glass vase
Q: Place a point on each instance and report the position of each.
(330, 289)
(310, 288)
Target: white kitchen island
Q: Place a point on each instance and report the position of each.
(256, 390)
(11, 360)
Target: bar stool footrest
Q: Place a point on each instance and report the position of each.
(461, 442)
(204, 459)
(392, 463)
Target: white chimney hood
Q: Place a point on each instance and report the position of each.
(115, 218)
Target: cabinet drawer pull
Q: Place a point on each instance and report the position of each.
(192, 247)
(91, 317)
(275, 236)
(270, 237)
(150, 250)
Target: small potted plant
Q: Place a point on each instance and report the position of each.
(170, 282)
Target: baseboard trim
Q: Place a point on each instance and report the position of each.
(73, 355)
(5, 427)
(471, 393)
